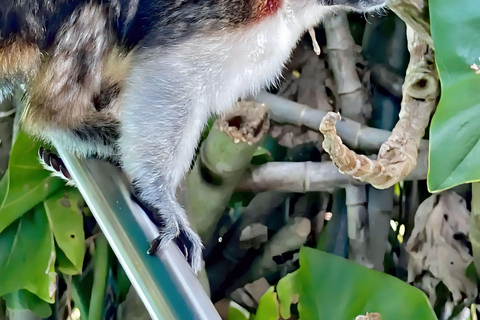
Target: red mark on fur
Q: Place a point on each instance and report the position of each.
(266, 8)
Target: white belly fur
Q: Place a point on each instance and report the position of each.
(245, 61)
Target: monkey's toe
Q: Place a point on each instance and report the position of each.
(193, 247)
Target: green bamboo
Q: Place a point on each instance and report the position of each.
(223, 158)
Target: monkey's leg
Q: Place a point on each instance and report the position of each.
(162, 118)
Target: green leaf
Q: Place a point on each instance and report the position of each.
(267, 306)
(25, 183)
(240, 199)
(123, 283)
(335, 288)
(330, 287)
(62, 263)
(66, 221)
(455, 129)
(27, 256)
(261, 156)
(236, 312)
(288, 292)
(25, 300)
(276, 152)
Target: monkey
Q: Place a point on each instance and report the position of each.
(136, 80)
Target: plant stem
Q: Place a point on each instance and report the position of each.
(99, 278)
(79, 301)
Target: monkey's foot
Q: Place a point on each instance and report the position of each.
(51, 162)
(188, 240)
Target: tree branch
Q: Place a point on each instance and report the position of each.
(398, 156)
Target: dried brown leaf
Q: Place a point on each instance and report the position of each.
(432, 245)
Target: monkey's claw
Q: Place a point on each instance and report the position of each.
(53, 163)
(154, 245)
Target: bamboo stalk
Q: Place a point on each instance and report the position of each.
(310, 176)
(223, 158)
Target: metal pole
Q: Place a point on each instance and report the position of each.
(165, 281)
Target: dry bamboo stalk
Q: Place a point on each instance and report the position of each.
(357, 215)
(342, 59)
(309, 176)
(355, 135)
(398, 156)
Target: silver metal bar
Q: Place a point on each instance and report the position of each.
(165, 281)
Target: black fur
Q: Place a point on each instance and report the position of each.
(106, 95)
(39, 21)
(106, 134)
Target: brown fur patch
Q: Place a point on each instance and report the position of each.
(18, 57)
(61, 94)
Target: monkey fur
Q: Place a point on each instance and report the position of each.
(136, 80)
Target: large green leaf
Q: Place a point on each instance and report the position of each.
(330, 287)
(268, 307)
(342, 289)
(27, 256)
(66, 221)
(25, 183)
(455, 130)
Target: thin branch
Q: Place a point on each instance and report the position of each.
(291, 237)
(352, 133)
